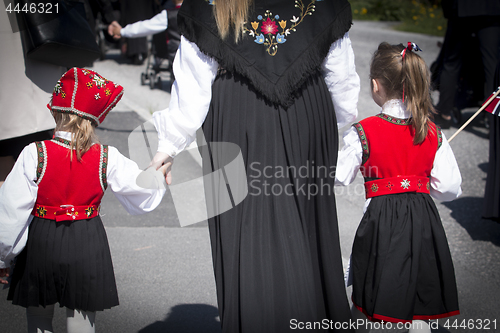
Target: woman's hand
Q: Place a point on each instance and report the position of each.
(163, 162)
(4, 272)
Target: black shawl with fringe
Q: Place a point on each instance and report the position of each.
(284, 42)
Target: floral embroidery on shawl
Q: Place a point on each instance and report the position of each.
(269, 34)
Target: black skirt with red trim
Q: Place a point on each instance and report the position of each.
(401, 263)
(66, 262)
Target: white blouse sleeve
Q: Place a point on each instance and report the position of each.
(190, 99)
(17, 199)
(350, 158)
(342, 80)
(445, 175)
(154, 25)
(122, 174)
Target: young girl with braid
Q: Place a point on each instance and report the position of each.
(49, 209)
(401, 266)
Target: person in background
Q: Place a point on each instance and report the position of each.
(491, 205)
(133, 11)
(464, 18)
(166, 20)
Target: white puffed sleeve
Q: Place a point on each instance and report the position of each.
(122, 174)
(17, 199)
(350, 158)
(191, 95)
(445, 175)
(154, 25)
(342, 80)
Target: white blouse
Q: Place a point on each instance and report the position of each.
(19, 192)
(195, 73)
(445, 177)
(154, 25)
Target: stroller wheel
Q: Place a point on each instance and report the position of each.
(144, 77)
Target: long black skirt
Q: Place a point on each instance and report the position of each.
(67, 263)
(276, 254)
(401, 263)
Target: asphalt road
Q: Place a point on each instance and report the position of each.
(164, 271)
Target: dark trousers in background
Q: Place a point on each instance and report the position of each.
(487, 31)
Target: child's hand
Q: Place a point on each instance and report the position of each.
(4, 272)
(163, 162)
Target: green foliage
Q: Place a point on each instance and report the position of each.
(422, 16)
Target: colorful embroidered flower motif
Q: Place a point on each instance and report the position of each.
(269, 27)
(89, 84)
(269, 34)
(419, 184)
(389, 186)
(99, 81)
(63, 94)
(374, 187)
(89, 211)
(58, 88)
(108, 92)
(280, 38)
(41, 211)
(405, 184)
(97, 96)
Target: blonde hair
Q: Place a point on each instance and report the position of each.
(82, 132)
(231, 14)
(409, 77)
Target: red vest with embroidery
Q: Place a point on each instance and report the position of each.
(391, 162)
(69, 189)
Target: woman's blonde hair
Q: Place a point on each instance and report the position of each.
(407, 78)
(231, 14)
(82, 132)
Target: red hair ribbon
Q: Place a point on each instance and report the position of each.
(410, 47)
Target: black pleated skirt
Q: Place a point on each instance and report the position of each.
(401, 263)
(67, 263)
(276, 254)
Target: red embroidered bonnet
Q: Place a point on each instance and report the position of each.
(85, 93)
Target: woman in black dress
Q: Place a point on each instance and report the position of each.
(278, 87)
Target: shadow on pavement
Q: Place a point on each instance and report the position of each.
(187, 318)
(467, 212)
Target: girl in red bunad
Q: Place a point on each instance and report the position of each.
(401, 265)
(49, 209)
